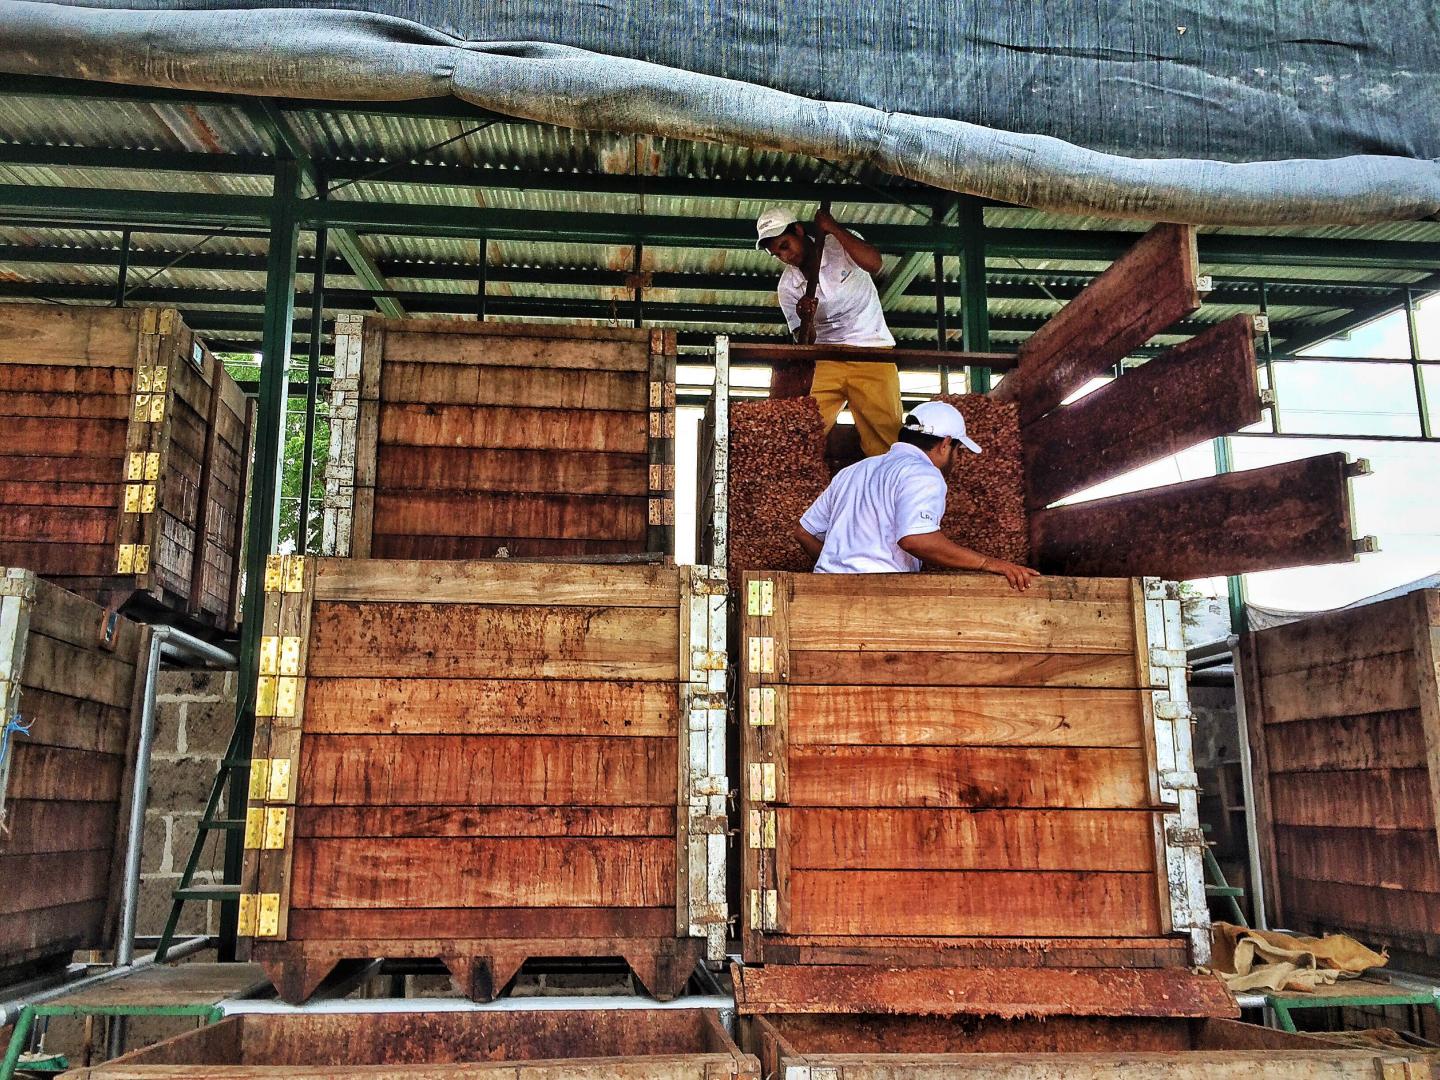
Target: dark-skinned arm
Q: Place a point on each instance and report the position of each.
(936, 549)
(865, 254)
(813, 545)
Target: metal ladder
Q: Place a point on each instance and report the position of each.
(1217, 888)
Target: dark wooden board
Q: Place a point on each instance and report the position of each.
(469, 514)
(465, 469)
(508, 428)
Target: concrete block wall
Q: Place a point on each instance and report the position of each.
(195, 713)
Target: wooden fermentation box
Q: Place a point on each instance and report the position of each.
(570, 1044)
(124, 460)
(487, 761)
(453, 439)
(71, 678)
(1344, 726)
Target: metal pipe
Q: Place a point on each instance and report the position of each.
(10, 1010)
(360, 1006)
(1247, 786)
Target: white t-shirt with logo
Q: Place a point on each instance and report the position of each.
(873, 504)
(848, 310)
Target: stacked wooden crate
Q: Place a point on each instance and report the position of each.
(71, 678)
(124, 469)
(1344, 725)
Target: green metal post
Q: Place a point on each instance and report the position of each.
(1235, 584)
(974, 310)
(264, 498)
(20, 1034)
(1422, 404)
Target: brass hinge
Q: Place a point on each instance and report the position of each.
(254, 828)
(707, 660)
(277, 695)
(662, 512)
(142, 466)
(662, 394)
(152, 380)
(662, 477)
(762, 706)
(275, 827)
(249, 909)
(762, 829)
(259, 778)
(279, 655)
(764, 909)
(1185, 836)
(760, 598)
(761, 652)
(149, 409)
(662, 425)
(762, 781)
(268, 921)
(140, 498)
(133, 559)
(284, 573)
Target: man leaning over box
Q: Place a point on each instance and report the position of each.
(827, 284)
(882, 515)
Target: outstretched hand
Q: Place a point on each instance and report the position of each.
(1018, 576)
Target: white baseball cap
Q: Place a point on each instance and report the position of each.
(942, 420)
(772, 222)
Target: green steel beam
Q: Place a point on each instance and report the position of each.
(975, 319)
(900, 280)
(135, 160)
(264, 516)
(117, 207)
(271, 123)
(1305, 335)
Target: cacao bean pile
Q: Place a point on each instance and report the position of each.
(985, 509)
(777, 469)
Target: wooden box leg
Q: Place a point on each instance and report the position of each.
(295, 973)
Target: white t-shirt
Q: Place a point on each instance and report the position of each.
(848, 310)
(871, 505)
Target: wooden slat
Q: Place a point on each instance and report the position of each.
(1337, 637)
(40, 435)
(605, 349)
(486, 770)
(69, 564)
(497, 583)
(375, 821)
(490, 707)
(62, 668)
(461, 468)
(1379, 916)
(68, 336)
(1425, 620)
(40, 826)
(469, 548)
(875, 776)
(1385, 683)
(463, 513)
(58, 494)
(992, 716)
(1198, 390)
(60, 468)
(59, 524)
(37, 882)
(1371, 858)
(59, 774)
(473, 641)
(1149, 288)
(1293, 514)
(61, 615)
(1389, 740)
(524, 872)
(1032, 904)
(530, 388)
(1375, 798)
(76, 723)
(65, 406)
(448, 925)
(77, 379)
(848, 839)
(51, 932)
(512, 428)
(1010, 669)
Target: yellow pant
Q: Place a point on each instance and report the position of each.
(873, 393)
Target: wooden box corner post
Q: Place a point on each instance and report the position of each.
(354, 408)
(660, 512)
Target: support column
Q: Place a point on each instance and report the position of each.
(123, 273)
(264, 500)
(975, 311)
(312, 383)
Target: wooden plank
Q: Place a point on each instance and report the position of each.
(1339, 689)
(1293, 514)
(905, 359)
(1389, 740)
(512, 428)
(22, 493)
(1374, 798)
(1253, 716)
(1149, 288)
(472, 821)
(990, 716)
(1025, 904)
(523, 872)
(59, 524)
(77, 379)
(875, 776)
(1320, 1063)
(1426, 622)
(60, 468)
(474, 641)
(527, 387)
(496, 583)
(463, 468)
(1376, 916)
(60, 774)
(449, 925)
(457, 513)
(610, 349)
(826, 838)
(62, 668)
(1335, 637)
(40, 435)
(65, 406)
(49, 334)
(490, 707)
(76, 723)
(37, 882)
(1009, 669)
(61, 560)
(470, 548)
(651, 1067)
(1370, 858)
(1201, 389)
(50, 933)
(69, 618)
(48, 826)
(486, 770)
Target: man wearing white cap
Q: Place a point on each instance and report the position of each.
(845, 309)
(882, 515)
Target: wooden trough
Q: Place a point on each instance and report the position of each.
(487, 761)
(71, 678)
(584, 1044)
(124, 461)
(444, 436)
(1344, 726)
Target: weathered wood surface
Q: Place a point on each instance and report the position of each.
(451, 442)
(486, 760)
(1201, 389)
(943, 760)
(1341, 708)
(85, 436)
(69, 778)
(1294, 514)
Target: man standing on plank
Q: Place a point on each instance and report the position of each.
(882, 515)
(827, 285)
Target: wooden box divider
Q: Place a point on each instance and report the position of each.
(486, 761)
(72, 676)
(124, 470)
(454, 439)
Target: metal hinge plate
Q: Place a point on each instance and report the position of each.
(760, 598)
(762, 781)
(278, 789)
(275, 827)
(133, 559)
(762, 706)
(761, 832)
(268, 921)
(764, 909)
(761, 654)
(662, 512)
(249, 908)
(1185, 836)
